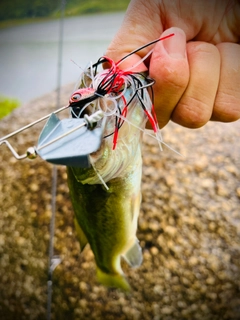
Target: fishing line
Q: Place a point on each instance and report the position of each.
(155, 137)
(53, 261)
(98, 174)
(144, 46)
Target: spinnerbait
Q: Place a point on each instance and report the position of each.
(111, 84)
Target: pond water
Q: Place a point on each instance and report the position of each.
(29, 53)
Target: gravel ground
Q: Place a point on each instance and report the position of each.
(189, 230)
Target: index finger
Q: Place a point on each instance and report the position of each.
(137, 29)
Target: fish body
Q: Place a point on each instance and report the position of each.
(107, 218)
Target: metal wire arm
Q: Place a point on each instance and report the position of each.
(31, 152)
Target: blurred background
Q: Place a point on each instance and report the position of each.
(29, 37)
(189, 224)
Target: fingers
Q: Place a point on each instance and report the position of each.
(193, 91)
(169, 67)
(141, 25)
(227, 103)
(195, 107)
(195, 81)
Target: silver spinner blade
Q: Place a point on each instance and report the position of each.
(68, 142)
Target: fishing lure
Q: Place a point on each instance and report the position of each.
(112, 82)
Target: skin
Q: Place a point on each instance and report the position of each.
(197, 71)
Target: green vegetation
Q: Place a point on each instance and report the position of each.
(78, 7)
(16, 9)
(7, 105)
(29, 9)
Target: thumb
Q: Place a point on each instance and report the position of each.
(170, 69)
(138, 28)
(134, 59)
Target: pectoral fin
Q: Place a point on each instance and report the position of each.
(134, 255)
(81, 236)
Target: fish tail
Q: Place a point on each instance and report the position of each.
(116, 280)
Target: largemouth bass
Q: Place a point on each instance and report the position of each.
(106, 197)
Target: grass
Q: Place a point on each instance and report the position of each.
(95, 6)
(7, 105)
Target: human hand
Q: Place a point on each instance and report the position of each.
(197, 71)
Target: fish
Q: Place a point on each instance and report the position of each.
(106, 197)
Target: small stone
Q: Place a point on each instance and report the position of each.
(210, 281)
(167, 310)
(2, 240)
(154, 251)
(186, 281)
(156, 308)
(194, 307)
(238, 192)
(193, 261)
(154, 225)
(212, 295)
(34, 187)
(222, 190)
(204, 308)
(158, 289)
(170, 180)
(232, 169)
(212, 226)
(207, 183)
(83, 303)
(181, 304)
(72, 300)
(78, 311)
(171, 230)
(20, 241)
(83, 286)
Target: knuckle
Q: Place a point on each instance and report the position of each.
(192, 114)
(203, 49)
(227, 108)
(175, 76)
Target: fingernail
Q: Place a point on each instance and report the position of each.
(175, 46)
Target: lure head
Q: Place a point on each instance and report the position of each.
(81, 98)
(81, 95)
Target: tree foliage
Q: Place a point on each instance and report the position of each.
(18, 9)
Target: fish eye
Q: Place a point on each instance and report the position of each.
(76, 97)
